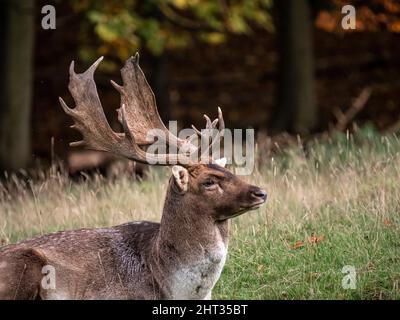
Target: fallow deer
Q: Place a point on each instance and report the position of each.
(179, 258)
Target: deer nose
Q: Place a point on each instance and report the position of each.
(258, 193)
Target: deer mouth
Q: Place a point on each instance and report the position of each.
(244, 209)
(253, 206)
(256, 206)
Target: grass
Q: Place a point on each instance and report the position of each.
(334, 204)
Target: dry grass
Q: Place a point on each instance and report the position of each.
(345, 191)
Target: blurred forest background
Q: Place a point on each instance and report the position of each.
(276, 66)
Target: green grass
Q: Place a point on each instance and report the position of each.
(346, 190)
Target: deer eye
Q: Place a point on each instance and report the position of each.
(208, 183)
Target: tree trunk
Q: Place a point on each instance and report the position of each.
(296, 111)
(16, 58)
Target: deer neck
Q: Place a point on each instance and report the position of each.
(187, 228)
(190, 249)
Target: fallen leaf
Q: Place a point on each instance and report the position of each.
(387, 222)
(298, 245)
(314, 239)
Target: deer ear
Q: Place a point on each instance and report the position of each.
(181, 176)
(221, 162)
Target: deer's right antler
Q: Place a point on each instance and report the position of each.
(137, 114)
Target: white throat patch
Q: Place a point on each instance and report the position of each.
(195, 281)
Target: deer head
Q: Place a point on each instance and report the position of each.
(208, 186)
(214, 191)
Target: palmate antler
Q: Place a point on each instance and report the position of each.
(138, 114)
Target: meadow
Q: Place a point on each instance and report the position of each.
(332, 204)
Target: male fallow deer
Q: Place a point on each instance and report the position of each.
(179, 258)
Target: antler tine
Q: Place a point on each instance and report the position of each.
(209, 126)
(216, 133)
(219, 133)
(72, 68)
(94, 66)
(221, 120)
(208, 122)
(198, 132)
